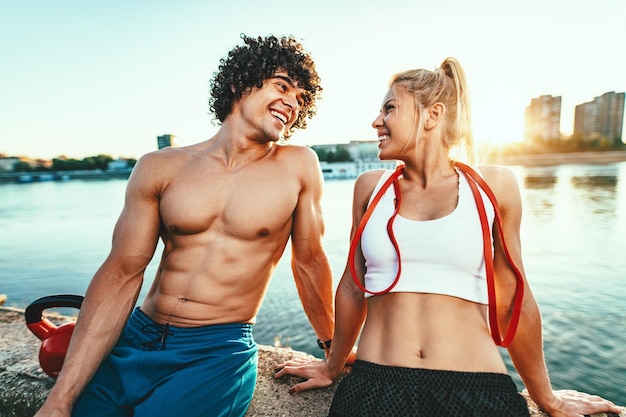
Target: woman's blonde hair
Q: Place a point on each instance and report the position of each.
(446, 85)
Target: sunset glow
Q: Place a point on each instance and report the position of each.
(84, 78)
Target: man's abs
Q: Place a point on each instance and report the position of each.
(203, 303)
(211, 285)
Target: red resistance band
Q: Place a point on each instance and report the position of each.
(474, 179)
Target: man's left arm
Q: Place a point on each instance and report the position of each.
(309, 262)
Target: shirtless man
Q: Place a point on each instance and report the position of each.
(224, 209)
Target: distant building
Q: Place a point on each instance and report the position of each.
(7, 164)
(118, 165)
(365, 150)
(602, 117)
(164, 141)
(543, 120)
(364, 155)
(338, 170)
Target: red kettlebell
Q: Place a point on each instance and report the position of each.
(55, 340)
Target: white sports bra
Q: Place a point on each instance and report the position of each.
(441, 256)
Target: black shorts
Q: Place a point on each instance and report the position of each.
(377, 390)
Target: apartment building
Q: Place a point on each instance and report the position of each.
(164, 141)
(543, 120)
(602, 117)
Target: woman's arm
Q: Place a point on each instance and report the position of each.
(526, 350)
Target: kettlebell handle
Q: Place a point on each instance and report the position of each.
(33, 313)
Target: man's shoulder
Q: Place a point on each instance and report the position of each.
(170, 156)
(160, 166)
(294, 150)
(297, 155)
(168, 153)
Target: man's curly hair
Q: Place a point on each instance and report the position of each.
(248, 65)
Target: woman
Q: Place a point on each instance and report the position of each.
(423, 261)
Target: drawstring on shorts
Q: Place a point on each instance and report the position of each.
(161, 330)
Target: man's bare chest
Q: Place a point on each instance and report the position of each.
(247, 208)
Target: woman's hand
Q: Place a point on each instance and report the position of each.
(314, 371)
(569, 403)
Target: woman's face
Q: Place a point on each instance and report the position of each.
(397, 124)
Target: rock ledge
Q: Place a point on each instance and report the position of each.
(24, 386)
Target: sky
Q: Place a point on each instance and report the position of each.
(81, 78)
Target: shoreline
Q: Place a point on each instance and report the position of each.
(47, 176)
(527, 160)
(547, 159)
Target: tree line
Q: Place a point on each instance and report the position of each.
(90, 163)
(339, 154)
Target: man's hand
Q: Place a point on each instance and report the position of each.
(569, 403)
(314, 371)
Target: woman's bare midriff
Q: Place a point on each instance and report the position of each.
(428, 331)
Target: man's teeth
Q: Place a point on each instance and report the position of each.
(383, 137)
(279, 116)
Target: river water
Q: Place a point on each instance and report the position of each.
(54, 235)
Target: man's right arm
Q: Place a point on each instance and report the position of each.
(310, 266)
(350, 310)
(113, 291)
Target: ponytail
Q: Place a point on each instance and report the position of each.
(460, 122)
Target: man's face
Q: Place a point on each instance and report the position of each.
(273, 108)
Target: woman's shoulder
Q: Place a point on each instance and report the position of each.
(497, 175)
(503, 182)
(369, 179)
(367, 182)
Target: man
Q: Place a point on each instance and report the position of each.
(224, 209)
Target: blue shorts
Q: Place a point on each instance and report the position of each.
(161, 370)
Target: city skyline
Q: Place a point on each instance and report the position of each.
(85, 79)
